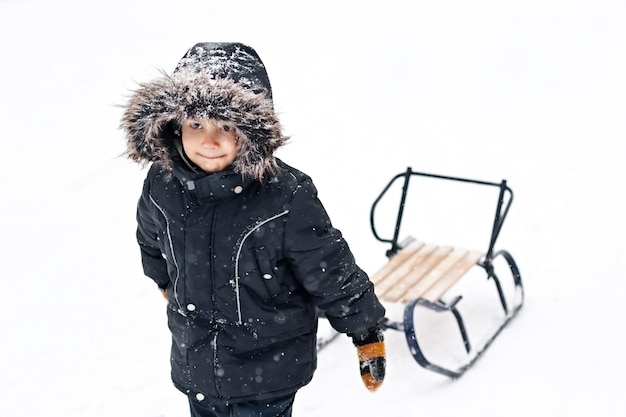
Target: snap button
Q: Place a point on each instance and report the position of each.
(267, 276)
(191, 307)
(238, 189)
(200, 396)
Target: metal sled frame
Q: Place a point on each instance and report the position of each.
(408, 326)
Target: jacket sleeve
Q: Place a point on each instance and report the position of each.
(323, 263)
(154, 265)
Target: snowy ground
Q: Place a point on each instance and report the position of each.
(532, 91)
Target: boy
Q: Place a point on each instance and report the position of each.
(238, 241)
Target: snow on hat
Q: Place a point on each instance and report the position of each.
(227, 81)
(235, 61)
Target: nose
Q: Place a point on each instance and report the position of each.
(211, 137)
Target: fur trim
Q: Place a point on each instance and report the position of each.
(158, 105)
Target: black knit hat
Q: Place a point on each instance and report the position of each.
(235, 61)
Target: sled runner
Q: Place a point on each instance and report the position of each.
(420, 273)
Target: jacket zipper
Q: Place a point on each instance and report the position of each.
(217, 377)
(239, 318)
(171, 245)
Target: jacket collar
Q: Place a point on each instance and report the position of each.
(207, 187)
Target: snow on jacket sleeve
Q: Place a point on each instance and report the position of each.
(154, 265)
(322, 261)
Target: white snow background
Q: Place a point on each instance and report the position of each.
(533, 91)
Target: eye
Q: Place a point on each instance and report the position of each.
(226, 127)
(195, 125)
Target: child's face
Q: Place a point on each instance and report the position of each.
(209, 143)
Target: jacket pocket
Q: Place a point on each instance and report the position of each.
(267, 271)
(261, 277)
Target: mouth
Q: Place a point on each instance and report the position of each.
(210, 157)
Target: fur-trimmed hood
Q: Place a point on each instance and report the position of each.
(227, 81)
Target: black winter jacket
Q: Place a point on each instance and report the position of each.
(245, 264)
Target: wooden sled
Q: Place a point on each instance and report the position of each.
(420, 273)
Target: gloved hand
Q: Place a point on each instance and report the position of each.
(370, 347)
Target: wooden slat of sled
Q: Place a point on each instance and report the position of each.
(396, 261)
(396, 279)
(422, 270)
(419, 270)
(446, 282)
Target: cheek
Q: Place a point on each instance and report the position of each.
(186, 147)
(233, 153)
(234, 147)
(188, 142)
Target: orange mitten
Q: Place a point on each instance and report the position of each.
(372, 358)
